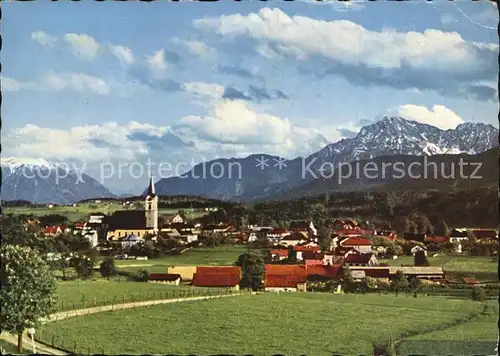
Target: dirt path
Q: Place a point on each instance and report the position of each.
(44, 349)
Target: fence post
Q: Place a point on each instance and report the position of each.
(124, 299)
(95, 301)
(53, 340)
(73, 304)
(74, 350)
(114, 299)
(89, 351)
(62, 305)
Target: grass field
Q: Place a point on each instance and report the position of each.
(9, 349)
(268, 323)
(477, 337)
(83, 294)
(81, 211)
(209, 256)
(481, 268)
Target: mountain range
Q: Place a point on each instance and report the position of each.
(387, 137)
(262, 176)
(40, 181)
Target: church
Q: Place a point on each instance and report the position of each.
(137, 222)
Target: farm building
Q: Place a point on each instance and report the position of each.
(222, 277)
(166, 278)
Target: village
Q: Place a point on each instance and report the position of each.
(296, 258)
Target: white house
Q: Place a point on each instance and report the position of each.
(360, 244)
(92, 236)
(417, 248)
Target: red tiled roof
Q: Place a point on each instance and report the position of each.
(377, 272)
(297, 248)
(80, 225)
(163, 277)
(356, 242)
(314, 263)
(331, 272)
(283, 281)
(470, 280)
(282, 253)
(218, 269)
(216, 279)
(341, 250)
(294, 237)
(484, 234)
(53, 229)
(284, 275)
(437, 239)
(362, 258)
(285, 270)
(312, 255)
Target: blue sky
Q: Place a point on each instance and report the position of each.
(122, 82)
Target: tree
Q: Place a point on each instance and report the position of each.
(324, 238)
(292, 255)
(415, 284)
(420, 259)
(348, 282)
(478, 294)
(141, 275)
(53, 219)
(252, 266)
(27, 293)
(107, 267)
(399, 283)
(84, 266)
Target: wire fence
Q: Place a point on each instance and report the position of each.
(89, 301)
(459, 293)
(57, 341)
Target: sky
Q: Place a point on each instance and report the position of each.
(116, 84)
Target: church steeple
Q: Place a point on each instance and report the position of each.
(151, 188)
(151, 207)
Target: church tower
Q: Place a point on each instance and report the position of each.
(151, 207)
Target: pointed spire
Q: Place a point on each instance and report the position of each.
(151, 188)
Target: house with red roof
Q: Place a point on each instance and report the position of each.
(338, 255)
(323, 273)
(313, 262)
(491, 235)
(279, 254)
(299, 249)
(363, 259)
(436, 239)
(54, 230)
(360, 244)
(277, 233)
(286, 278)
(222, 277)
(293, 239)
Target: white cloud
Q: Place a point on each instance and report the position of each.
(157, 63)
(204, 90)
(346, 41)
(75, 143)
(431, 59)
(235, 123)
(198, 48)
(83, 45)
(52, 81)
(439, 115)
(44, 39)
(124, 54)
(10, 84)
